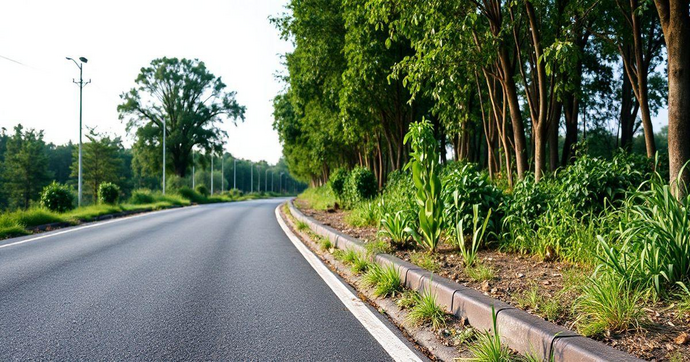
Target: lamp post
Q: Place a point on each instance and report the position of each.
(234, 173)
(280, 182)
(251, 178)
(272, 183)
(266, 180)
(193, 173)
(81, 85)
(211, 173)
(222, 174)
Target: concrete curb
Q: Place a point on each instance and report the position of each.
(523, 332)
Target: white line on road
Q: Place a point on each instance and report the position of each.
(395, 347)
(89, 226)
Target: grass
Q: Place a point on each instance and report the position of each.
(363, 214)
(301, 225)
(407, 299)
(377, 247)
(608, 303)
(488, 346)
(549, 308)
(325, 244)
(385, 280)
(425, 261)
(19, 222)
(319, 198)
(360, 264)
(427, 311)
(480, 273)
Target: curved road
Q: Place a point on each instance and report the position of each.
(212, 282)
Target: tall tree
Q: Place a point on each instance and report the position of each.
(25, 168)
(100, 161)
(185, 97)
(675, 22)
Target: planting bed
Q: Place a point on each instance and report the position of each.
(547, 289)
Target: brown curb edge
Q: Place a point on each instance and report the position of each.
(523, 332)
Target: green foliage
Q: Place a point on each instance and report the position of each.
(394, 227)
(141, 196)
(195, 196)
(58, 198)
(654, 247)
(202, 190)
(190, 121)
(427, 310)
(385, 280)
(480, 273)
(425, 261)
(488, 347)
(100, 162)
(463, 188)
(108, 193)
(359, 264)
(469, 252)
(337, 182)
(425, 169)
(363, 214)
(318, 198)
(608, 303)
(25, 169)
(360, 185)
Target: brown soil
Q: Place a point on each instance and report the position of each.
(516, 277)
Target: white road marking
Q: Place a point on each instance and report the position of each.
(90, 226)
(395, 347)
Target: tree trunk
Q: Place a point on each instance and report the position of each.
(515, 112)
(675, 23)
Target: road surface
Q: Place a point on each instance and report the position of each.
(211, 282)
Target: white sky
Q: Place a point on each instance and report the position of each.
(233, 37)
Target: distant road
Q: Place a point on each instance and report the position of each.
(212, 282)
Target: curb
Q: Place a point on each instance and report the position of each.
(523, 332)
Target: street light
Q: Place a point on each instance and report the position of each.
(280, 182)
(251, 179)
(211, 173)
(272, 183)
(81, 85)
(193, 172)
(266, 180)
(234, 173)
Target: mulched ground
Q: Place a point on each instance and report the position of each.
(663, 337)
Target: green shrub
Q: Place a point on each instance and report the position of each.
(528, 200)
(465, 187)
(426, 310)
(108, 193)
(191, 195)
(363, 214)
(337, 182)
(203, 190)
(360, 185)
(57, 197)
(141, 196)
(398, 194)
(394, 227)
(318, 198)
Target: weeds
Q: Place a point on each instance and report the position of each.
(425, 261)
(385, 280)
(426, 310)
(301, 225)
(394, 227)
(480, 273)
(608, 303)
(363, 214)
(325, 244)
(408, 299)
(376, 247)
(469, 253)
(488, 347)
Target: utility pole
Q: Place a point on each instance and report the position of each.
(266, 180)
(251, 182)
(280, 182)
(222, 175)
(81, 85)
(234, 173)
(163, 155)
(272, 183)
(212, 174)
(193, 172)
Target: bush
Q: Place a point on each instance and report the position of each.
(399, 194)
(108, 193)
(57, 197)
(337, 182)
(465, 187)
(360, 185)
(528, 200)
(191, 195)
(203, 190)
(142, 196)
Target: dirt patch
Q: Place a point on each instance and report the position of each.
(546, 289)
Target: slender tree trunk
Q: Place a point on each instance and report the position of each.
(515, 113)
(675, 23)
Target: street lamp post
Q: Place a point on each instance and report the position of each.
(164, 155)
(222, 175)
(266, 180)
(193, 173)
(280, 182)
(251, 178)
(211, 173)
(81, 85)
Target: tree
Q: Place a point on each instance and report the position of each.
(185, 97)
(675, 23)
(60, 161)
(100, 161)
(25, 168)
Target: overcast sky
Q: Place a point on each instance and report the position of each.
(233, 38)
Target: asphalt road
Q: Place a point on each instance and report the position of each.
(212, 282)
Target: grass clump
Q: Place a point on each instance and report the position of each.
(608, 303)
(425, 261)
(319, 198)
(393, 226)
(407, 299)
(360, 264)
(480, 273)
(377, 247)
(426, 310)
(488, 346)
(325, 244)
(363, 214)
(550, 308)
(385, 280)
(301, 225)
